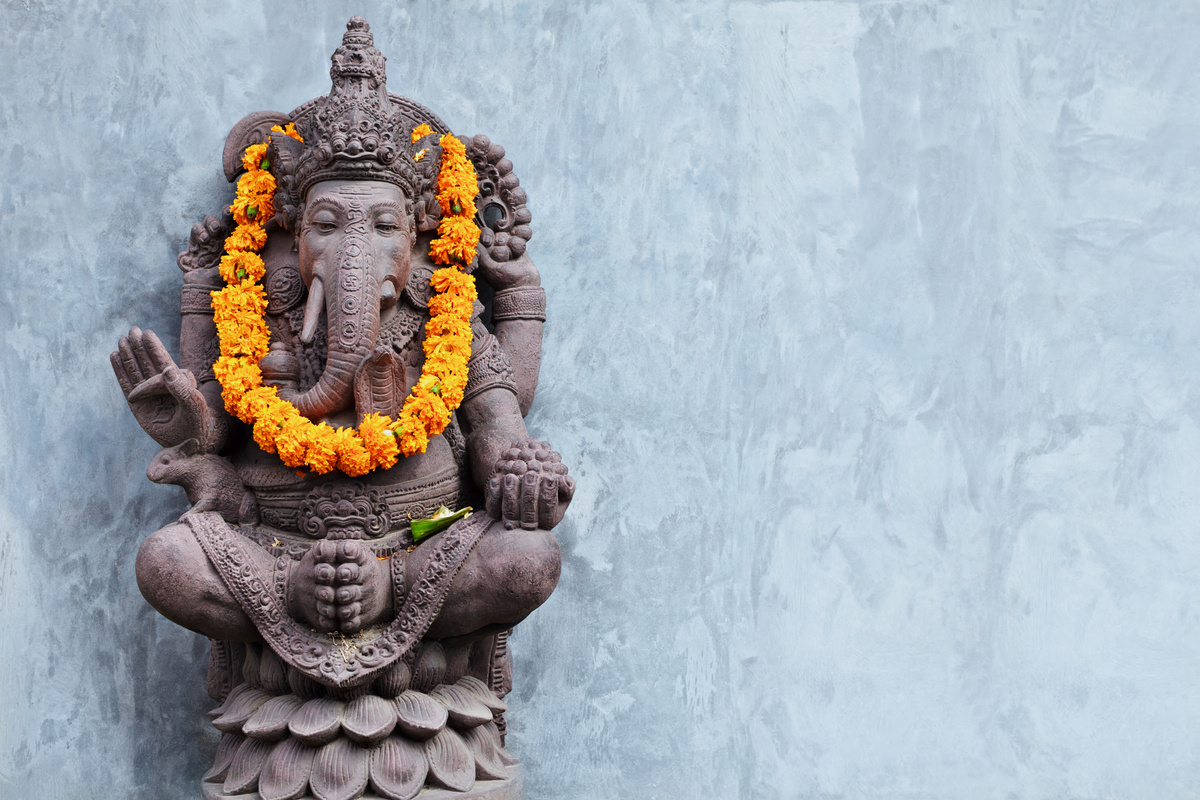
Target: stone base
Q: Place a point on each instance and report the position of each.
(511, 789)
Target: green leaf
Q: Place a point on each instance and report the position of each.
(266, 164)
(251, 211)
(442, 518)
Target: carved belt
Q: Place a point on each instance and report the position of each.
(346, 661)
(281, 508)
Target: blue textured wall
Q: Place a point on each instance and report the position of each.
(873, 345)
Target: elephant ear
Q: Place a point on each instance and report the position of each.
(379, 385)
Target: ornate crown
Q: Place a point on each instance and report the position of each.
(355, 133)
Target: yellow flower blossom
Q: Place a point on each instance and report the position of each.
(420, 132)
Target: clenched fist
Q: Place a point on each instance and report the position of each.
(529, 487)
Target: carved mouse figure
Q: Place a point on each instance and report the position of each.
(211, 482)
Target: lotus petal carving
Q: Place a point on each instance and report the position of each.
(226, 749)
(369, 719)
(398, 768)
(318, 721)
(463, 709)
(246, 766)
(285, 773)
(418, 715)
(451, 764)
(240, 710)
(339, 771)
(480, 691)
(484, 743)
(270, 721)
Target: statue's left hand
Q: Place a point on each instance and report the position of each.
(530, 487)
(164, 398)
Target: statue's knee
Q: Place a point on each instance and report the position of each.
(534, 568)
(162, 566)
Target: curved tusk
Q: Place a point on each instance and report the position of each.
(312, 311)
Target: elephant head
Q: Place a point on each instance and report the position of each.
(355, 243)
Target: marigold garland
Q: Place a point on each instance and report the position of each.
(238, 311)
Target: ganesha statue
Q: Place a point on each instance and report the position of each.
(369, 517)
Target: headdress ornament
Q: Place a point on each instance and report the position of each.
(355, 132)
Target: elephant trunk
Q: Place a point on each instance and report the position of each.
(350, 296)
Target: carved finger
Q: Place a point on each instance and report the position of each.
(323, 551)
(325, 594)
(492, 499)
(160, 359)
(323, 573)
(326, 610)
(566, 489)
(529, 500)
(348, 594)
(350, 550)
(349, 612)
(154, 385)
(511, 502)
(132, 370)
(327, 624)
(119, 369)
(137, 343)
(182, 384)
(348, 573)
(548, 513)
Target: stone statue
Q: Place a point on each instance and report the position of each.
(348, 659)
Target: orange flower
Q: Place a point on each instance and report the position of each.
(413, 438)
(252, 209)
(353, 458)
(253, 156)
(256, 182)
(379, 440)
(246, 262)
(420, 132)
(289, 130)
(246, 237)
(321, 452)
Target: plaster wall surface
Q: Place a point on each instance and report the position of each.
(872, 345)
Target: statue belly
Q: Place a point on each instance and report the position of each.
(413, 489)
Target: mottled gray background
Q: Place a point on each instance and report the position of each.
(873, 345)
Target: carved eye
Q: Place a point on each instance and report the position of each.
(387, 224)
(324, 223)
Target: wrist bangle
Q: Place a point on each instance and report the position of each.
(522, 302)
(196, 299)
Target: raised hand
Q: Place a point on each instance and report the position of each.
(530, 487)
(164, 398)
(339, 585)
